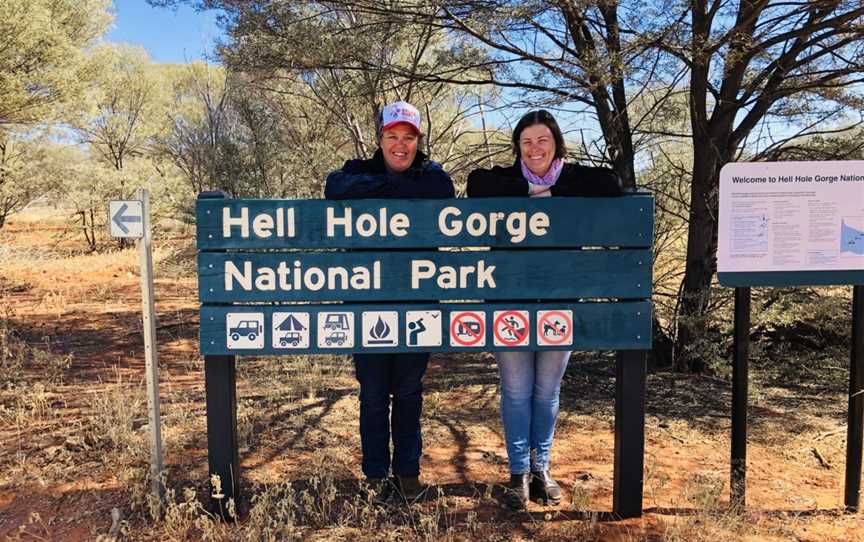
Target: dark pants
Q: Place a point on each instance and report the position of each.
(384, 378)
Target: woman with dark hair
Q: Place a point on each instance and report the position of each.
(531, 381)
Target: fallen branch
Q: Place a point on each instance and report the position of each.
(824, 462)
(828, 433)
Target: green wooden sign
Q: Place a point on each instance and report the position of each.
(291, 276)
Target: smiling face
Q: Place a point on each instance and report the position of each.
(537, 148)
(399, 146)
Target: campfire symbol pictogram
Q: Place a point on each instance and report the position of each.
(380, 333)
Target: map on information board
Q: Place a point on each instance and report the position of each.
(791, 216)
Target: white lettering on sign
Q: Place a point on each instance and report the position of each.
(367, 224)
(449, 277)
(517, 224)
(295, 277)
(262, 225)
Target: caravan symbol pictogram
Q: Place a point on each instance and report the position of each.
(290, 330)
(335, 329)
(380, 328)
(468, 328)
(555, 328)
(511, 328)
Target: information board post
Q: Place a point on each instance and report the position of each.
(740, 370)
(855, 423)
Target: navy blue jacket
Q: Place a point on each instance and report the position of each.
(360, 179)
(575, 180)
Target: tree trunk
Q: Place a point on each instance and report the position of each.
(662, 348)
(701, 258)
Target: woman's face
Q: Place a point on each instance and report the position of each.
(537, 148)
(399, 146)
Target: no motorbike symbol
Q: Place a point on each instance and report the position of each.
(511, 328)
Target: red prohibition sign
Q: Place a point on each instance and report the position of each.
(518, 335)
(546, 319)
(475, 336)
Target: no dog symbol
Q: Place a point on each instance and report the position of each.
(554, 328)
(511, 328)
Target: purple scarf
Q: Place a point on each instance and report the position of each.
(551, 176)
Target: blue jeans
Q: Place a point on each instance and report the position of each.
(386, 379)
(530, 388)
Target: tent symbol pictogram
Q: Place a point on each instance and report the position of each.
(291, 324)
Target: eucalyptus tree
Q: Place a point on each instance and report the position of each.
(343, 64)
(43, 55)
(755, 73)
(44, 70)
(125, 107)
(756, 68)
(23, 178)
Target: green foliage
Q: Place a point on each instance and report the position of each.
(43, 66)
(26, 172)
(125, 108)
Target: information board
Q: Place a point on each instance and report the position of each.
(787, 223)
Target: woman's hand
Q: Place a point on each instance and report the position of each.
(539, 191)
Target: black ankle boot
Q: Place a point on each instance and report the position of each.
(516, 494)
(544, 488)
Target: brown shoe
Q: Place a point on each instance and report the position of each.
(516, 493)
(409, 488)
(545, 488)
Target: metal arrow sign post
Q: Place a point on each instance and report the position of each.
(131, 219)
(126, 218)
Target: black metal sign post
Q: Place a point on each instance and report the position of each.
(855, 416)
(855, 422)
(220, 383)
(741, 345)
(630, 370)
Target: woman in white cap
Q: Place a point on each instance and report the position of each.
(398, 169)
(531, 381)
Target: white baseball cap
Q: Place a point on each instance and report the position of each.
(398, 112)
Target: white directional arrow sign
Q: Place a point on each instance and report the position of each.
(126, 218)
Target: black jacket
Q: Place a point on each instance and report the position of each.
(370, 179)
(575, 180)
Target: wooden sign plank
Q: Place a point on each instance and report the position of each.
(438, 327)
(239, 224)
(408, 275)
